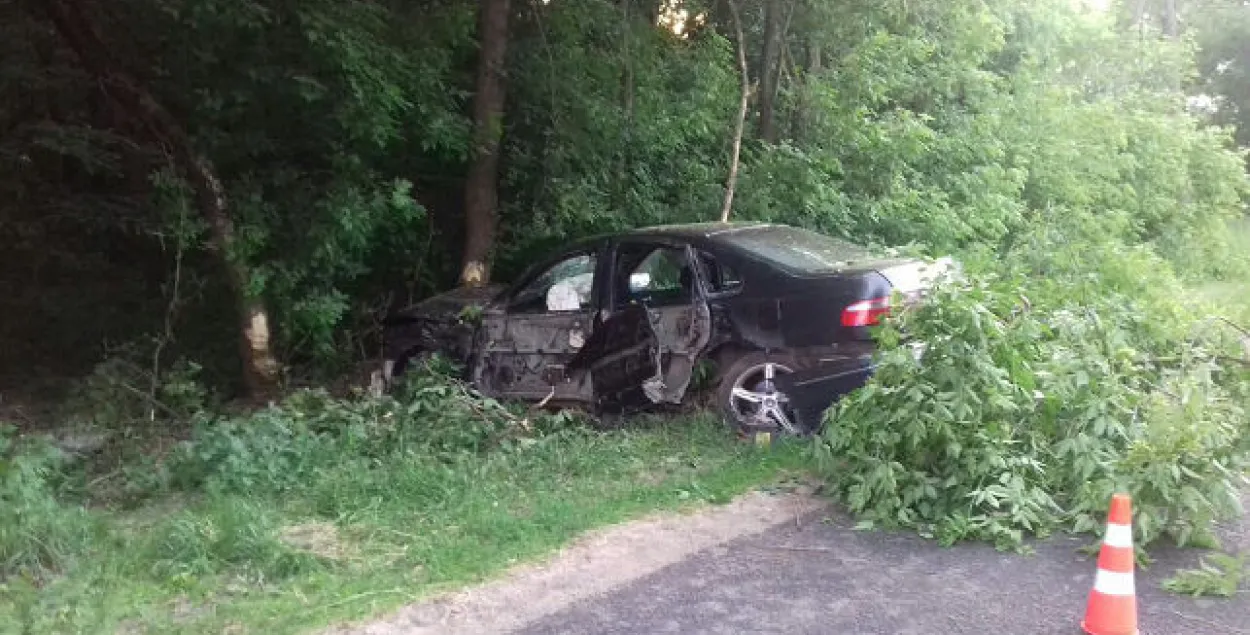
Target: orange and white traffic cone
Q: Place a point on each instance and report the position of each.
(1112, 608)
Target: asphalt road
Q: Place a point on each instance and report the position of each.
(820, 576)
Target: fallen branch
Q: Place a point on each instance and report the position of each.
(153, 401)
(1219, 628)
(543, 404)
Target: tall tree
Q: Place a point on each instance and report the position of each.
(79, 32)
(481, 195)
(628, 91)
(1161, 14)
(744, 100)
(770, 60)
(1171, 19)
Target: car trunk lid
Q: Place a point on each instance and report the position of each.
(915, 278)
(910, 279)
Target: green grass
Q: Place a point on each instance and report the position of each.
(359, 539)
(1231, 297)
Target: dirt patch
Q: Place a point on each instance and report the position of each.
(319, 538)
(595, 564)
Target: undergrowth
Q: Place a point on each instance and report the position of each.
(39, 533)
(318, 508)
(1052, 378)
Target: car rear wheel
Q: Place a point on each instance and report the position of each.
(748, 396)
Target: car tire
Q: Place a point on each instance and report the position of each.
(748, 401)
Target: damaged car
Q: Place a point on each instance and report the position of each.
(620, 323)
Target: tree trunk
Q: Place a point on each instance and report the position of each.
(260, 367)
(1171, 22)
(732, 180)
(620, 197)
(1139, 15)
(481, 196)
(804, 116)
(768, 70)
(651, 10)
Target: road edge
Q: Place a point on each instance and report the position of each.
(593, 564)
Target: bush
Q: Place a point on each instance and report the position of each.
(290, 445)
(38, 534)
(945, 445)
(1039, 397)
(122, 395)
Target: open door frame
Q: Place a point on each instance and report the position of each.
(638, 355)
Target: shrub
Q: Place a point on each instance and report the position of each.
(287, 446)
(946, 445)
(38, 533)
(121, 394)
(1036, 399)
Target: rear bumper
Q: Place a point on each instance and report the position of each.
(813, 390)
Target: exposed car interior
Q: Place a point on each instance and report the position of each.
(565, 286)
(652, 276)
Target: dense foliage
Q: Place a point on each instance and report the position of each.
(1037, 398)
(281, 448)
(37, 531)
(341, 135)
(254, 181)
(1074, 361)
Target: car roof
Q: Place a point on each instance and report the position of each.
(692, 232)
(696, 230)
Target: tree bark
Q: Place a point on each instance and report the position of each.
(768, 70)
(732, 180)
(620, 195)
(481, 196)
(1139, 15)
(651, 10)
(260, 366)
(805, 112)
(1171, 22)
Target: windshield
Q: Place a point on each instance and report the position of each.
(797, 249)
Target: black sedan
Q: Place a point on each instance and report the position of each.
(620, 322)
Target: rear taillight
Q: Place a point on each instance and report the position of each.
(865, 312)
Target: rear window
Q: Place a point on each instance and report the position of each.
(797, 249)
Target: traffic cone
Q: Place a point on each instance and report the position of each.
(1112, 608)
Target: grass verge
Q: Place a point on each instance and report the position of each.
(362, 537)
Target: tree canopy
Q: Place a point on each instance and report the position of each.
(260, 180)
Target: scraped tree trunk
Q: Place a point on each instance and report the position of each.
(481, 196)
(260, 367)
(769, 71)
(732, 180)
(261, 371)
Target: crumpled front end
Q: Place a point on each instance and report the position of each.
(444, 324)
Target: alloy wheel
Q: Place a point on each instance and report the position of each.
(756, 402)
